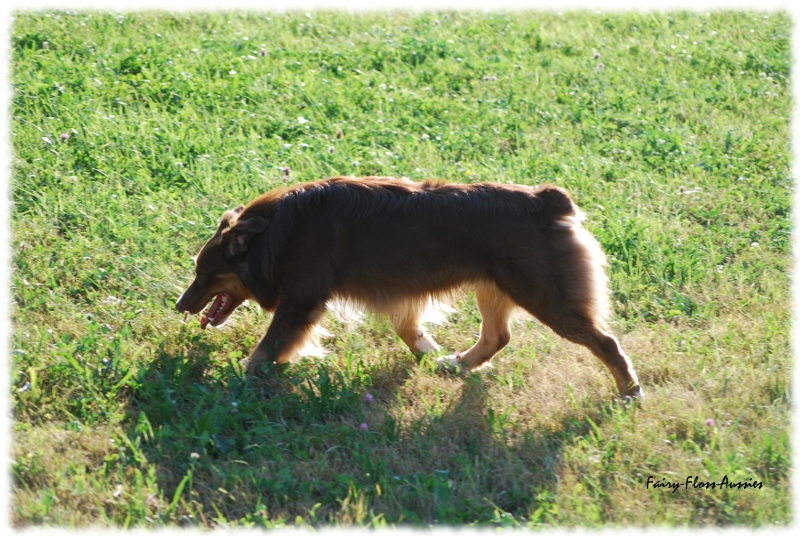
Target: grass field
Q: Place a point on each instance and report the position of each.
(132, 132)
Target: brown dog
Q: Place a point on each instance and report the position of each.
(391, 245)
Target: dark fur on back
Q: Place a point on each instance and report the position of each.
(391, 244)
(394, 220)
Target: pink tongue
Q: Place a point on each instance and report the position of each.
(204, 321)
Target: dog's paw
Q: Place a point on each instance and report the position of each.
(252, 363)
(637, 393)
(424, 344)
(247, 365)
(634, 395)
(452, 364)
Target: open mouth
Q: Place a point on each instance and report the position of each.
(218, 312)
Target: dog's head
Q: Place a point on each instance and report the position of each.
(218, 267)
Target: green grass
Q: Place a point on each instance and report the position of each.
(132, 133)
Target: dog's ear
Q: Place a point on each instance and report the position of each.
(236, 239)
(229, 218)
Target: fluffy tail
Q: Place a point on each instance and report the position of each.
(557, 203)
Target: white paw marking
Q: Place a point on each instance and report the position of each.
(425, 344)
(452, 364)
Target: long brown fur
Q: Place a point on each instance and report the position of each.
(393, 244)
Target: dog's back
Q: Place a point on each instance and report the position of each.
(372, 238)
(360, 200)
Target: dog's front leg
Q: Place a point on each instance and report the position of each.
(291, 325)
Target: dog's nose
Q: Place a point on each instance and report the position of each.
(179, 304)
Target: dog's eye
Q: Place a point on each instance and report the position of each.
(204, 278)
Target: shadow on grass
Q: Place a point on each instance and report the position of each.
(305, 444)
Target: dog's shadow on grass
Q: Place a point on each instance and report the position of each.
(331, 433)
(498, 470)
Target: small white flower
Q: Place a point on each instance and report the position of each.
(302, 120)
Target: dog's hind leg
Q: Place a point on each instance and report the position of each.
(495, 307)
(578, 328)
(291, 326)
(575, 309)
(406, 320)
(567, 290)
